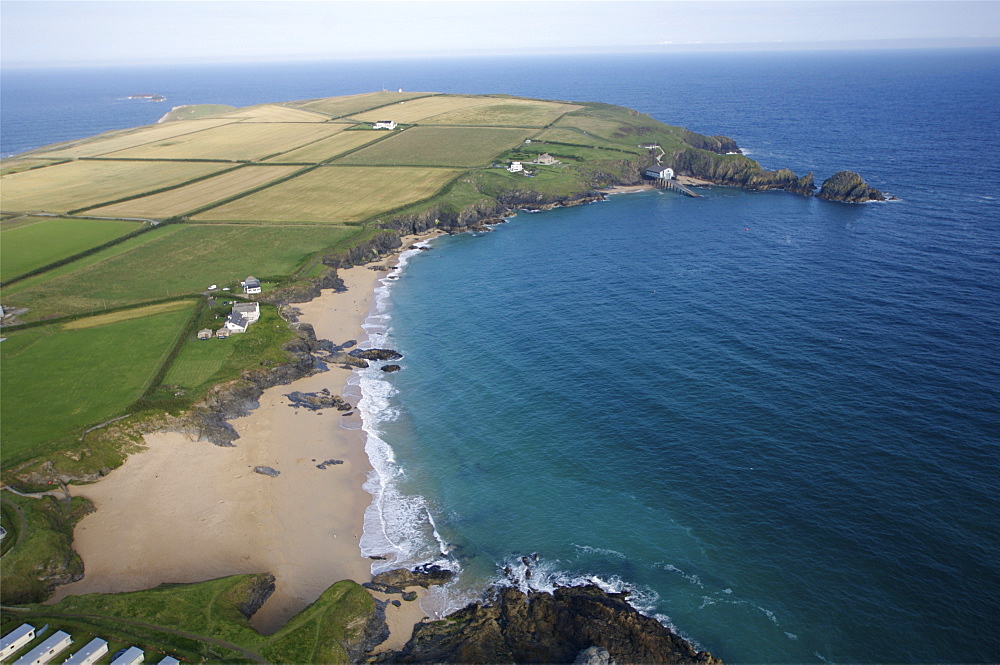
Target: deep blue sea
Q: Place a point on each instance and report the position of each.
(774, 420)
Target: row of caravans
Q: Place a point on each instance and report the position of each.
(52, 647)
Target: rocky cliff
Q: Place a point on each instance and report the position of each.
(848, 186)
(514, 627)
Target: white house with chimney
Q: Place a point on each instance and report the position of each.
(515, 167)
(244, 314)
(251, 285)
(384, 124)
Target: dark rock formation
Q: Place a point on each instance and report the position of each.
(257, 594)
(391, 368)
(848, 186)
(376, 354)
(316, 401)
(514, 627)
(718, 144)
(394, 581)
(266, 471)
(594, 656)
(329, 462)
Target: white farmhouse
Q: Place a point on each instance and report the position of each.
(251, 285)
(47, 650)
(384, 124)
(16, 639)
(660, 172)
(89, 654)
(243, 315)
(515, 167)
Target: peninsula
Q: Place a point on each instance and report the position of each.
(146, 253)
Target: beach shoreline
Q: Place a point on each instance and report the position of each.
(183, 510)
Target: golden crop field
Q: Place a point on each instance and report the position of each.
(126, 315)
(439, 146)
(504, 112)
(321, 151)
(420, 109)
(275, 113)
(335, 194)
(338, 107)
(191, 197)
(237, 141)
(15, 165)
(112, 141)
(80, 184)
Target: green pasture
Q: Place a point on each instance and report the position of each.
(81, 184)
(570, 154)
(438, 146)
(175, 260)
(196, 195)
(196, 112)
(55, 381)
(17, 164)
(504, 112)
(326, 149)
(338, 107)
(203, 363)
(621, 126)
(38, 241)
(126, 138)
(334, 194)
(547, 180)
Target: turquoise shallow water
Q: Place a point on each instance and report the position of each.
(775, 420)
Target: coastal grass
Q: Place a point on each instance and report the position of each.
(326, 149)
(15, 165)
(334, 194)
(421, 109)
(505, 112)
(574, 136)
(438, 146)
(78, 376)
(235, 142)
(79, 184)
(202, 363)
(127, 138)
(202, 621)
(195, 112)
(175, 260)
(30, 243)
(44, 543)
(175, 202)
(338, 107)
(550, 181)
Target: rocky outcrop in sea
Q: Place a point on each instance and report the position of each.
(849, 187)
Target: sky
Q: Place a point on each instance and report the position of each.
(85, 32)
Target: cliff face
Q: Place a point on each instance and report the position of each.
(847, 186)
(514, 627)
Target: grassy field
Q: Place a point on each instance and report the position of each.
(195, 112)
(504, 112)
(579, 137)
(76, 185)
(338, 107)
(420, 109)
(334, 194)
(17, 164)
(173, 261)
(32, 242)
(77, 377)
(191, 197)
(119, 140)
(202, 623)
(276, 113)
(326, 149)
(439, 146)
(236, 141)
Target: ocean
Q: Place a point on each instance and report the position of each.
(773, 420)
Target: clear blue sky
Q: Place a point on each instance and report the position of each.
(43, 32)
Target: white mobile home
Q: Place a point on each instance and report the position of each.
(132, 656)
(47, 650)
(16, 640)
(169, 660)
(89, 654)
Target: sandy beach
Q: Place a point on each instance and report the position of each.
(185, 511)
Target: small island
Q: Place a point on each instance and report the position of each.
(148, 97)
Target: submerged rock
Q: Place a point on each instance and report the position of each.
(847, 186)
(376, 354)
(391, 368)
(537, 627)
